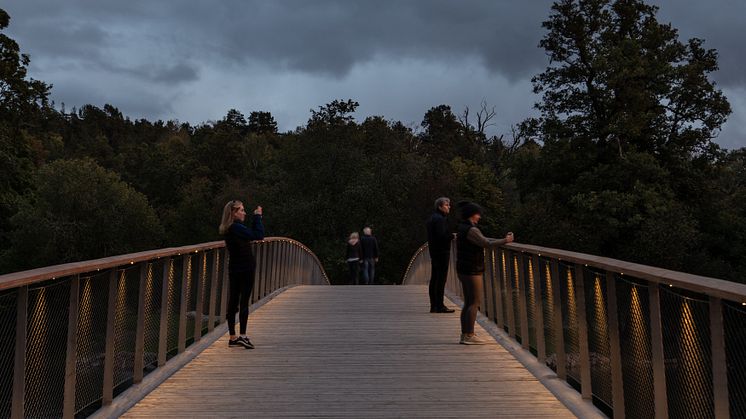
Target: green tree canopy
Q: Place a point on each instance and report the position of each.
(79, 211)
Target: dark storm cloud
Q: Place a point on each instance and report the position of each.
(327, 37)
(331, 36)
(720, 24)
(193, 60)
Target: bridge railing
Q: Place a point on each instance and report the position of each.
(76, 335)
(639, 341)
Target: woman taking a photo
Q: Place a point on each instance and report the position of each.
(470, 245)
(241, 266)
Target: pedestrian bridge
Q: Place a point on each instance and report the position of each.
(573, 335)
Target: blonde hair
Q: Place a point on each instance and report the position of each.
(228, 210)
(354, 235)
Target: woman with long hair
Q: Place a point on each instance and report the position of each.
(470, 245)
(354, 254)
(241, 266)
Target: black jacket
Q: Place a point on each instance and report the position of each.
(354, 251)
(238, 240)
(370, 247)
(438, 235)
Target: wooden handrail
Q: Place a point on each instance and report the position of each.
(728, 290)
(715, 287)
(18, 279)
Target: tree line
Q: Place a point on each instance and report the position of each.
(620, 162)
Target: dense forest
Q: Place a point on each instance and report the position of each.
(619, 162)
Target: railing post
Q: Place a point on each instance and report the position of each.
(260, 249)
(19, 365)
(719, 366)
(523, 303)
(487, 281)
(615, 346)
(108, 385)
(586, 386)
(559, 329)
(508, 257)
(163, 331)
(541, 347)
(71, 356)
(656, 344)
(224, 288)
(139, 367)
(186, 274)
(202, 273)
(213, 290)
(275, 266)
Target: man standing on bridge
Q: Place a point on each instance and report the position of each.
(369, 246)
(439, 245)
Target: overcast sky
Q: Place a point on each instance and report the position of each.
(194, 60)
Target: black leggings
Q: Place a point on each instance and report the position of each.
(354, 267)
(473, 295)
(239, 291)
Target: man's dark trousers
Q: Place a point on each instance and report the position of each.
(438, 276)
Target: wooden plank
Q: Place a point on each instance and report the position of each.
(387, 358)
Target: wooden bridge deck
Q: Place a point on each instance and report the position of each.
(373, 351)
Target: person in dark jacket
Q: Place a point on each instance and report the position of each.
(439, 240)
(241, 266)
(369, 245)
(470, 245)
(354, 257)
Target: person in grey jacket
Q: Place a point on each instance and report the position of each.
(470, 245)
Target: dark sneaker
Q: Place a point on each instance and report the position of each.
(443, 309)
(236, 343)
(245, 342)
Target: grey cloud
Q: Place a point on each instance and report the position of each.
(331, 36)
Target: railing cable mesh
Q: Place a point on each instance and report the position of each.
(686, 337)
(8, 309)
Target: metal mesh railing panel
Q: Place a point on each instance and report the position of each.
(529, 284)
(8, 314)
(686, 344)
(633, 306)
(545, 275)
(45, 356)
(153, 294)
(89, 366)
(568, 292)
(598, 335)
(191, 296)
(516, 296)
(125, 324)
(174, 302)
(734, 318)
